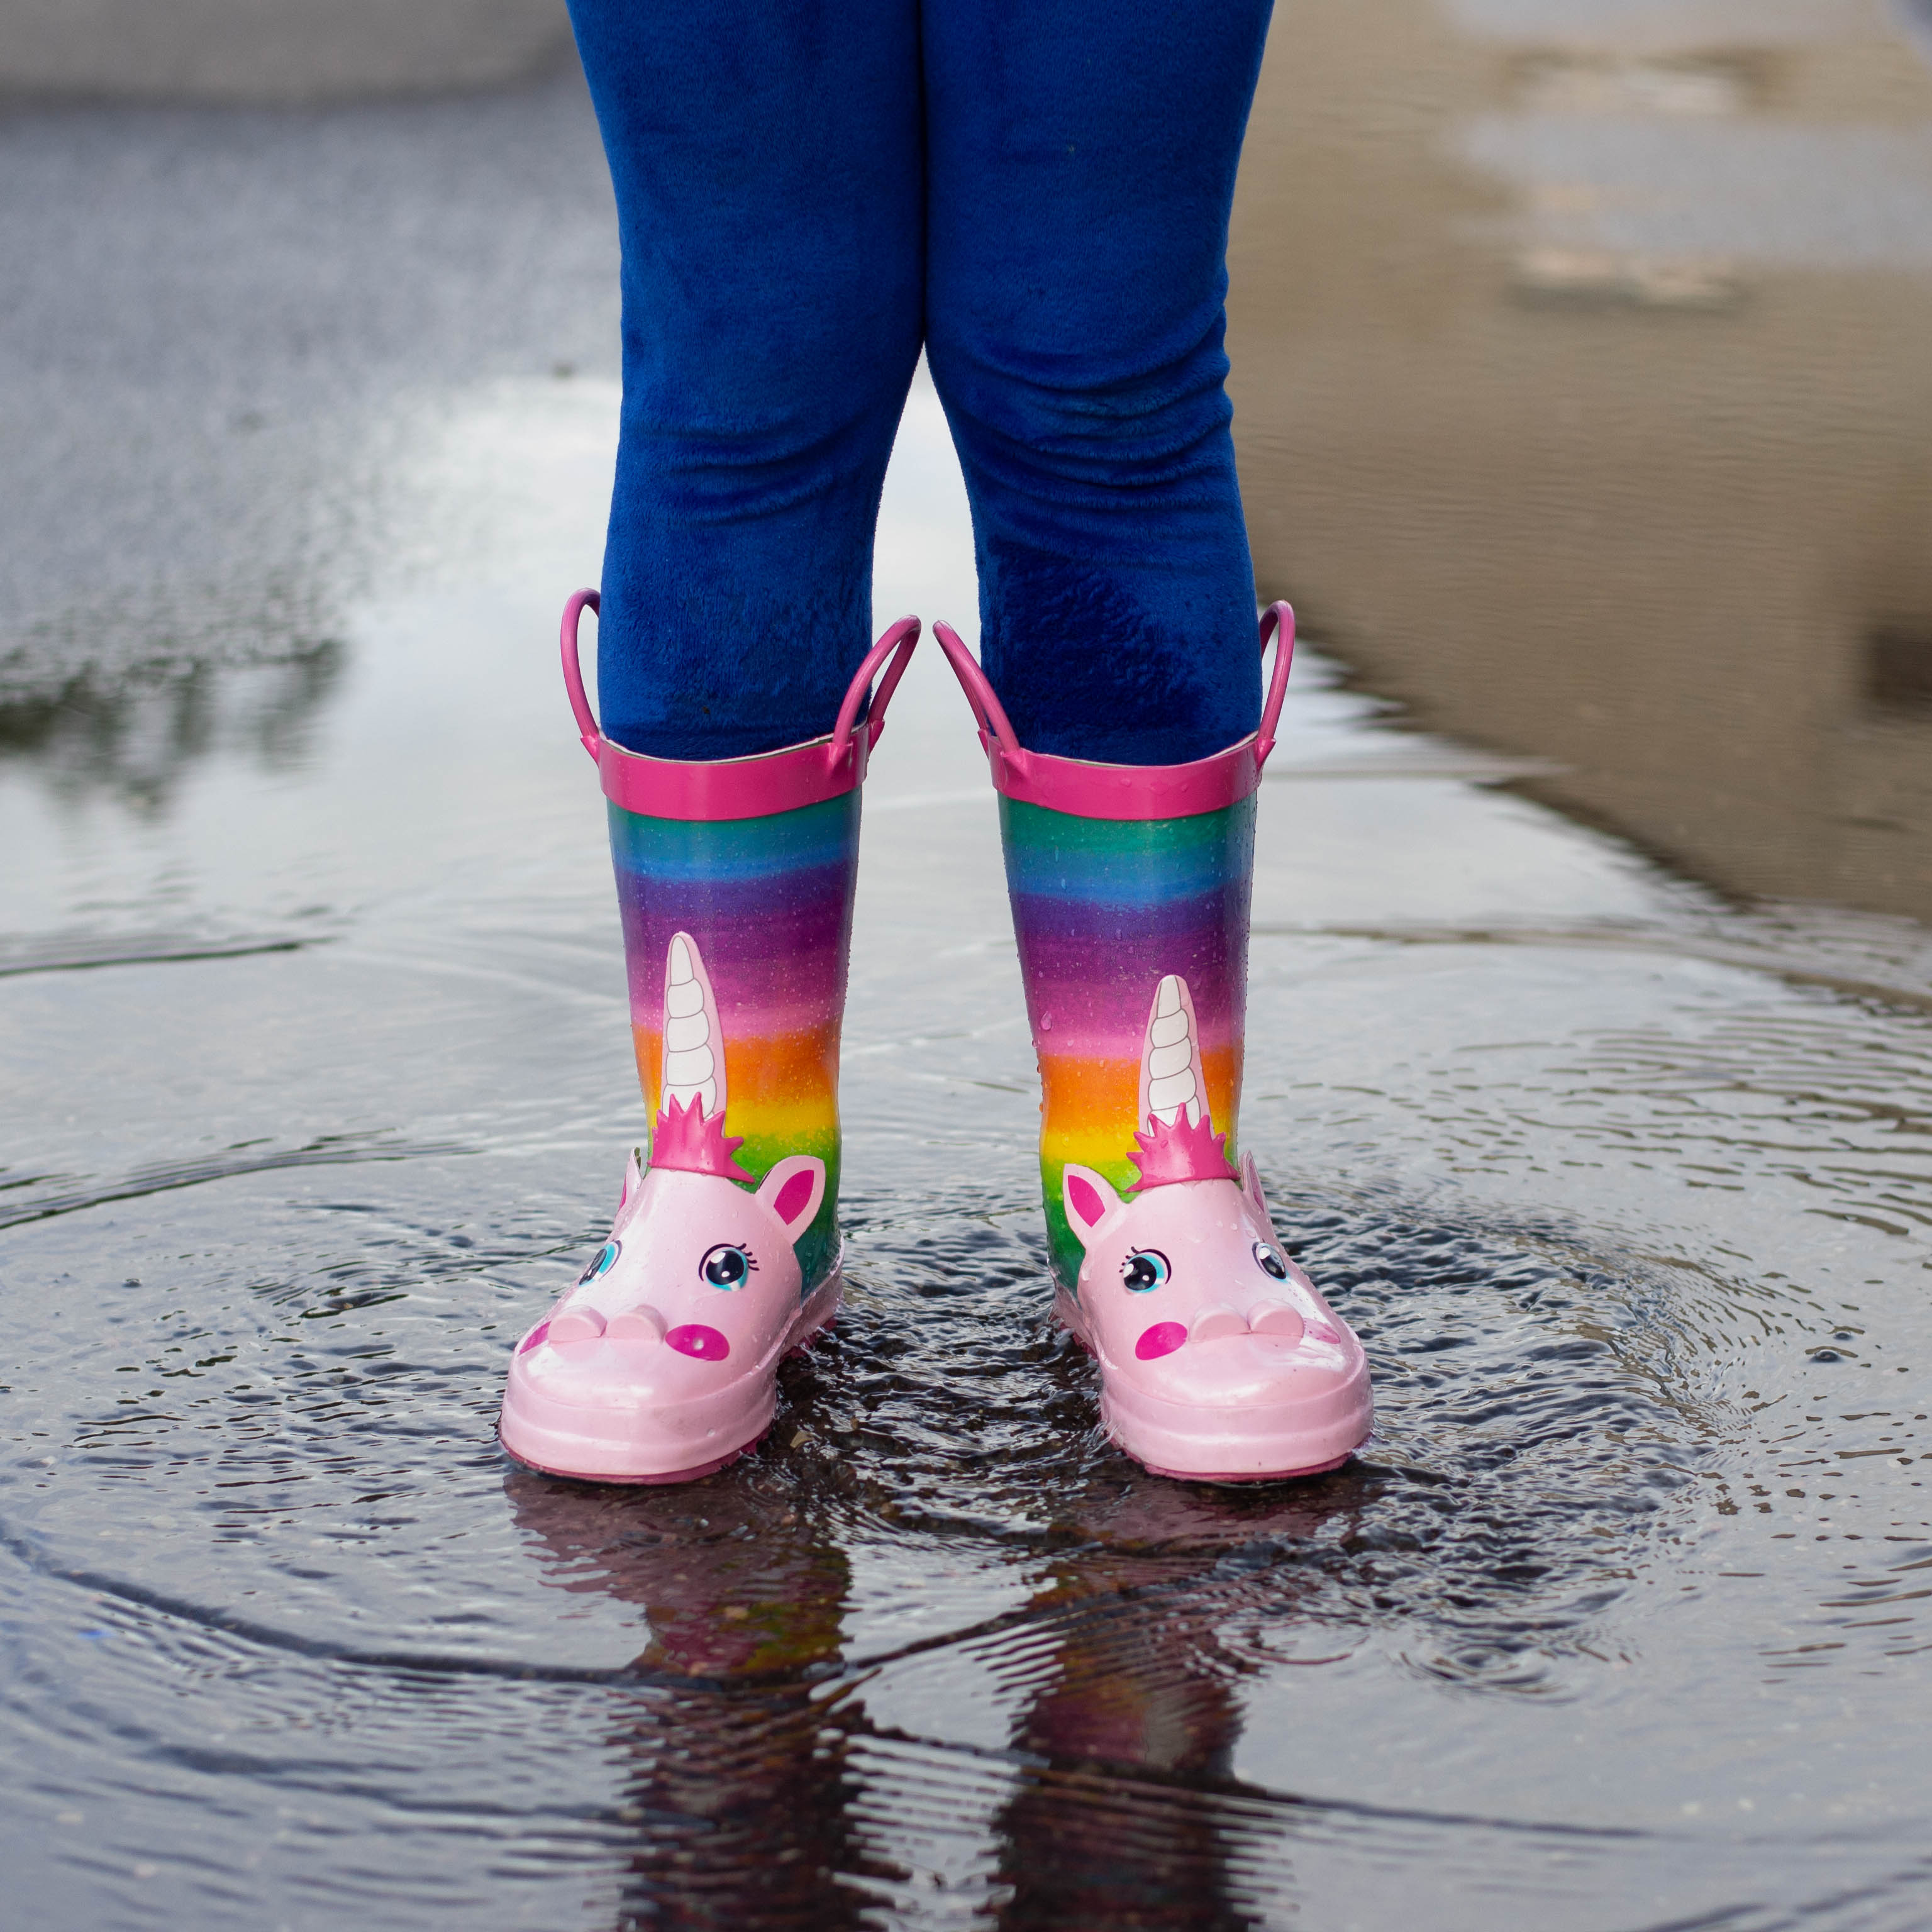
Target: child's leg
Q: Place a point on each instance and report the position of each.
(766, 159)
(1082, 156)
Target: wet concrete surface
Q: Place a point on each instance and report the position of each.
(281, 51)
(317, 1087)
(227, 339)
(1583, 384)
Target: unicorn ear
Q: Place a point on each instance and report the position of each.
(694, 1042)
(634, 1179)
(1089, 1199)
(1251, 1184)
(793, 1190)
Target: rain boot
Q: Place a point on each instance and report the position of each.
(1130, 886)
(734, 882)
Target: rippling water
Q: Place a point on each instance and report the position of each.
(318, 1085)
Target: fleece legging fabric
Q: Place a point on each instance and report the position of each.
(1038, 192)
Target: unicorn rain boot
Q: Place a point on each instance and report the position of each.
(734, 881)
(1130, 887)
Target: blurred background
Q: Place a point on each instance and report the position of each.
(1583, 380)
(1582, 372)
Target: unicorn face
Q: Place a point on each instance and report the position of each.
(1193, 1262)
(1185, 1286)
(696, 1265)
(693, 1262)
(659, 1364)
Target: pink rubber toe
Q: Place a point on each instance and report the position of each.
(669, 1374)
(1219, 1361)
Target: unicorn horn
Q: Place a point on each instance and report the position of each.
(1178, 1141)
(693, 1042)
(1171, 1080)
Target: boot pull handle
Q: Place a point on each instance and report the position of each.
(988, 712)
(1277, 622)
(897, 643)
(588, 731)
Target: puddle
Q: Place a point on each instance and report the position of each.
(318, 1084)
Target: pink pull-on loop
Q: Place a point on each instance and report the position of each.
(900, 639)
(587, 729)
(1278, 621)
(1087, 789)
(988, 712)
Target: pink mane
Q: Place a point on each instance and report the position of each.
(1182, 1152)
(686, 1140)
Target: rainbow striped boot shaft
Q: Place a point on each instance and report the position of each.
(768, 902)
(1130, 886)
(1104, 910)
(735, 881)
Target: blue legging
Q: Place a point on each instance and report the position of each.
(1037, 189)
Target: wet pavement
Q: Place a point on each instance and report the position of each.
(317, 1086)
(1583, 385)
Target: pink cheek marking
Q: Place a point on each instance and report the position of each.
(694, 1339)
(536, 1336)
(1162, 1339)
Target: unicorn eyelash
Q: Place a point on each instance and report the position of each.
(728, 1265)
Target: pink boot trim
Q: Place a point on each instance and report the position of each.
(1088, 789)
(748, 788)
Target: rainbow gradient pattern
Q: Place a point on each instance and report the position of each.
(1101, 909)
(769, 902)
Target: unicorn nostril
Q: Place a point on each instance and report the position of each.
(1278, 1319)
(581, 1324)
(635, 1324)
(1214, 1323)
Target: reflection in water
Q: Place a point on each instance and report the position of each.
(135, 736)
(738, 1787)
(746, 1790)
(745, 1749)
(1114, 1819)
(1582, 358)
(230, 335)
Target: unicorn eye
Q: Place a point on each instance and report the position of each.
(726, 1267)
(1271, 1263)
(602, 1262)
(1147, 1268)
